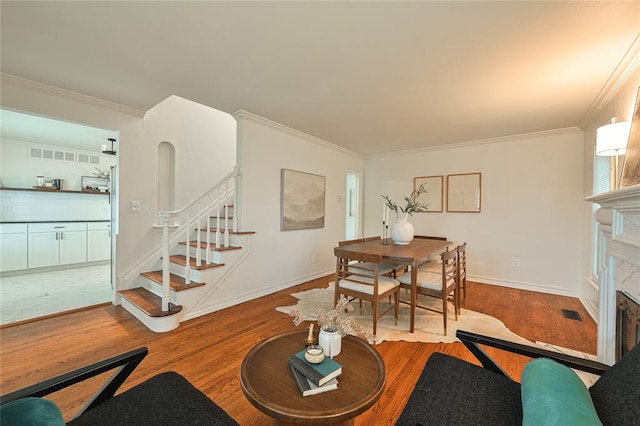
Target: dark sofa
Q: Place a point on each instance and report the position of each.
(451, 391)
(165, 399)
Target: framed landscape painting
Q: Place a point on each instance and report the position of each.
(301, 200)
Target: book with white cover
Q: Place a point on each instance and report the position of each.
(307, 387)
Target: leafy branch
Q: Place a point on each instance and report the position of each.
(411, 202)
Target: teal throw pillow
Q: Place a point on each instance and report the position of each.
(30, 412)
(552, 394)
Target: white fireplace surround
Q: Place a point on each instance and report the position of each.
(619, 250)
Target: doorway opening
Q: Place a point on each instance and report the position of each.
(61, 253)
(352, 205)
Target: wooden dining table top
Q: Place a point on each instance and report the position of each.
(419, 249)
(407, 254)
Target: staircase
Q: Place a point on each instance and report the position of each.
(193, 263)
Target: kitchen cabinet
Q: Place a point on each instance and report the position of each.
(13, 246)
(51, 244)
(98, 241)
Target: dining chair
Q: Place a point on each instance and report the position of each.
(362, 280)
(462, 269)
(461, 249)
(441, 285)
(347, 242)
(385, 268)
(435, 257)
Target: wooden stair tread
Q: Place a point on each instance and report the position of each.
(212, 246)
(230, 232)
(148, 302)
(181, 259)
(177, 283)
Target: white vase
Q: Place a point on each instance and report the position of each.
(402, 230)
(331, 342)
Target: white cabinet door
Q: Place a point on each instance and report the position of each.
(98, 241)
(44, 249)
(73, 247)
(13, 247)
(58, 243)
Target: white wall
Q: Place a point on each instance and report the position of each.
(532, 205)
(204, 140)
(283, 258)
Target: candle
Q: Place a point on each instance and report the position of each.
(384, 209)
(314, 354)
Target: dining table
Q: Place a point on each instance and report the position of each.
(413, 254)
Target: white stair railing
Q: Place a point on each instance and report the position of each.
(198, 214)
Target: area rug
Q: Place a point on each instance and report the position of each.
(428, 325)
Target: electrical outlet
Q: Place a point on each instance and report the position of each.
(314, 258)
(515, 263)
(135, 206)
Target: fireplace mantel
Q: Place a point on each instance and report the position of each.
(619, 244)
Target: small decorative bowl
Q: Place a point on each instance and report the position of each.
(314, 354)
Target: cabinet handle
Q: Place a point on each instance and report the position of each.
(62, 235)
(57, 235)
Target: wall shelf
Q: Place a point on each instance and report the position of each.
(54, 191)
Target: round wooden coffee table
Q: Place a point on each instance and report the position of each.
(268, 383)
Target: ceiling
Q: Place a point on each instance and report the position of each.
(371, 76)
(44, 130)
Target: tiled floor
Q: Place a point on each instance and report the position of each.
(33, 295)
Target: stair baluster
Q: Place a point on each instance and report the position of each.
(217, 199)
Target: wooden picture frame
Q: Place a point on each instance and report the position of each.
(302, 199)
(464, 193)
(631, 165)
(434, 197)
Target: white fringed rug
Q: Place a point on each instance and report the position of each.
(428, 325)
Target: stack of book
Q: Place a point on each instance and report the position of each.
(313, 379)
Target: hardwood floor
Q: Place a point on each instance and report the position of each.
(208, 350)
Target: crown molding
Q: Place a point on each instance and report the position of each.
(501, 139)
(68, 94)
(242, 114)
(626, 67)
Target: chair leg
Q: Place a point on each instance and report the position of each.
(444, 313)
(464, 288)
(456, 302)
(396, 296)
(374, 309)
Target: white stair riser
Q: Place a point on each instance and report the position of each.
(174, 268)
(224, 222)
(214, 255)
(233, 238)
(155, 324)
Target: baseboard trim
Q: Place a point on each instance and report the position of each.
(524, 286)
(245, 297)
